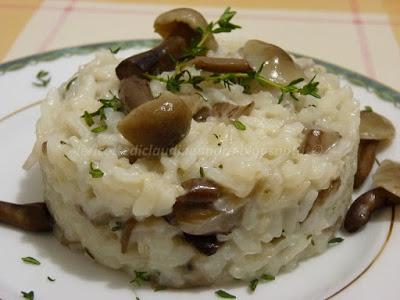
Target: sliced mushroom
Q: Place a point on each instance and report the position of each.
(278, 65)
(30, 217)
(183, 22)
(318, 141)
(365, 160)
(158, 124)
(206, 244)
(386, 192)
(199, 191)
(373, 129)
(374, 126)
(224, 111)
(220, 65)
(202, 114)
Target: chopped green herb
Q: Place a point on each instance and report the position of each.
(96, 173)
(114, 50)
(239, 125)
(68, 86)
(137, 298)
(221, 166)
(335, 240)
(30, 260)
(113, 103)
(267, 277)
(253, 285)
(223, 24)
(368, 108)
(42, 79)
(202, 172)
(117, 226)
(65, 155)
(140, 278)
(89, 253)
(50, 279)
(223, 294)
(216, 136)
(30, 295)
(63, 143)
(219, 144)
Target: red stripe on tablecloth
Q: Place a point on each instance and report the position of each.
(362, 39)
(57, 26)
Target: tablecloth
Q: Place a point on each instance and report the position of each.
(363, 35)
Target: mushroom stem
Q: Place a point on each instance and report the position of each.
(30, 217)
(365, 160)
(221, 65)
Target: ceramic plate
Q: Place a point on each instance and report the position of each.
(364, 266)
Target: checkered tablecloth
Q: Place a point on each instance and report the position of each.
(363, 35)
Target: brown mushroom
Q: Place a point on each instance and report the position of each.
(224, 111)
(183, 22)
(30, 217)
(134, 91)
(318, 141)
(202, 114)
(386, 192)
(374, 128)
(199, 191)
(206, 244)
(157, 125)
(220, 64)
(277, 64)
(365, 161)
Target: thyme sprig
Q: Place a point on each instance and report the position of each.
(114, 103)
(42, 79)
(223, 24)
(175, 81)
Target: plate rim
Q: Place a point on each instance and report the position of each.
(381, 90)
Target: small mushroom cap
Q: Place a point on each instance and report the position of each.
(388, 177)
(278, 65)
(157, 125)
(185, 22)
(374, 126)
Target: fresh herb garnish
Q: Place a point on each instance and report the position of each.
(368, 108)
(114, 103)
(30, 260)
(216, 136)
(267, 277)
(63, 143)
(30, 295)
(223, 24)
(174, 82)
(221, 166)
(68, 86)
(137, 298)
(335, 240)
(65, 155)
(253, 285)
(42, 79)
(114, 50)
(96, 173)
(223, 294)
(239, 125)
(202, 174)
(140, 278)
(50, 279)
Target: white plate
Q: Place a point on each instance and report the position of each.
(365, 266)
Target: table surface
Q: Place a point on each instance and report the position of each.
(362, 35)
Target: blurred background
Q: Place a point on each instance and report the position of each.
(362, 35)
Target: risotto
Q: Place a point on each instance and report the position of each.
(202, 172)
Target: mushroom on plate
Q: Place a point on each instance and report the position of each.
(386, 192)
(374, 128)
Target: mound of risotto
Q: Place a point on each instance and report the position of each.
(201, 160)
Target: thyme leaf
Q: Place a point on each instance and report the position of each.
(42, 79)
